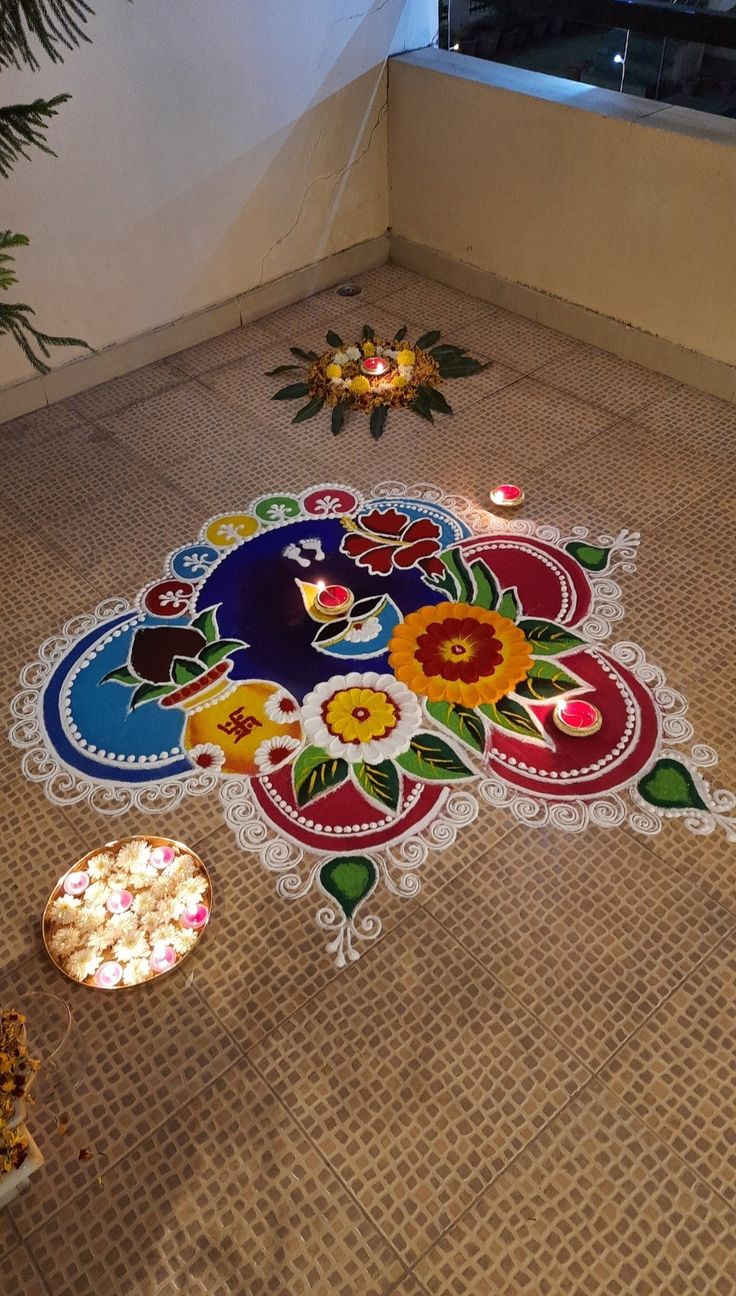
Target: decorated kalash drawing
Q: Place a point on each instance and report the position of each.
(353, 675)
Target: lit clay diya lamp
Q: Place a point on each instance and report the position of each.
(577, 718)
(507, 496)
(375, 366)
(332, 601)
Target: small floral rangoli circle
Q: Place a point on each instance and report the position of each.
(459, 653)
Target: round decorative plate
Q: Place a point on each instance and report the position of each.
(127, 912)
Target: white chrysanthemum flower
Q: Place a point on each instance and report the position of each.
(100, 865)
(64, 942)
(96, 894)
(340, 357)
(274, 752)
(120, 926)
(98, 941)
(281, 707)
(83, 964)
(64, 910)
(136, 971)
(133, 857)
(91, 918)
(352, 353)
(182, 940)
(361, 717)
(391, 353)
(132, 947)
(406, 371)
(191, 892)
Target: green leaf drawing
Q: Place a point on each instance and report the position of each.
(509, 604)
(272, 373)
(339, 413)
(436, 400)
(184, 669)
(669, 785)
(592, 557)
(455, 564)
(378, 421)
(368, 333)
(206, 623)
(292, 392)
(348, 879)
(148, 693)
(428, 340)
(463, 722)
(309, 410)
(214, 652)
(333, 339)
(122, 675)
(380, 783)
(316, 772)
(513, 717)
(304, 355)
(486, 591)
(431, 759)
(548, 639)
(545, 680)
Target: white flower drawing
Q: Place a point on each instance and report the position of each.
(274, 752)
(207, 756)
(364, 631)
(281, 707)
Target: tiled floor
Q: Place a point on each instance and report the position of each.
(528, 1084)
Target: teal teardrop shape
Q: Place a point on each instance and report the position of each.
(348, 879)
(669, 785)
(591, 557)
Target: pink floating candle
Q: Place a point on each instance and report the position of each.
(108, 975)
(375, 366)
(195, 916)
(577, 717)
(76, 884)
(162, 856)
(119, 901)
(163, 957)
(334, 600)
(507, 495)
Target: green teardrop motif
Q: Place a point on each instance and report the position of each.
(669, 785)
(348, 879)
(591, 557)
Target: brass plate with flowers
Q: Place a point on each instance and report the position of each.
(127, 912)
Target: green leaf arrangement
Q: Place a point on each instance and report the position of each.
(335, 379)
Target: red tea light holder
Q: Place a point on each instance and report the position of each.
(332, 601)
(375, 366)
(507, 496)
(578, 718)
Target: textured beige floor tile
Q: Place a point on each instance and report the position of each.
(590, 931)
(409, 1286)
(223, 349)
(39, 842)
(267, 955)
(604, 379)
(419, 1077)
(679, 1071)
(144, 1053)
(437, 306)
(191, 822)
(52, 418)
(119, 392)
(693, 417)
(595, 1207)
(386, 279)
(19, 1274)
(477, 847)
(530, 424)
(707, 862)
(227, 1199)
(516, 341)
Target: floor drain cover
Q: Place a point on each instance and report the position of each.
(349, 290)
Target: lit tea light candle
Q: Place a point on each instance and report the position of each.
(577, 717)
(195, 916)
(333, 600)
(108, 975)
(507, 495)
(375, 366)
(119, 901)
(76, 884)
(162, 856)
(163, 957)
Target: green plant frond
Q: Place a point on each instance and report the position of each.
(23, 126)
(15, 321)
(55, 24)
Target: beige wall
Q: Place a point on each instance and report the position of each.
(617, 204)
(209, 147)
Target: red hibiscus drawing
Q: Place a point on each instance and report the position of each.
(384, 539)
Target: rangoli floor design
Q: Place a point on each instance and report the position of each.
(344, 750)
